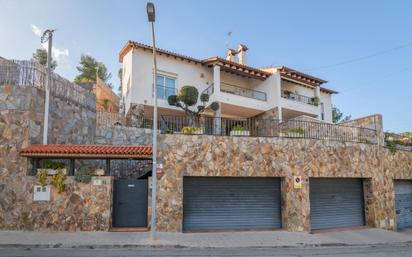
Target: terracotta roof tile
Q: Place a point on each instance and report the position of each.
(85, 151)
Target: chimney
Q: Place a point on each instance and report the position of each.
(231, 55)
(241, 51)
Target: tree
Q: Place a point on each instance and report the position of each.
(40, 56)
(88, 68)
(187, 98)
(119, 75)
(337, 115)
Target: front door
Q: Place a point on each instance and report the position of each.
(130, 202)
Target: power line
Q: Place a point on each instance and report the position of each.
(361, 58)
(385, 76)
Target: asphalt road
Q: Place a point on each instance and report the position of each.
(346, 251)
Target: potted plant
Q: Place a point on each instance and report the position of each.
(315, 100)
(238, 130)
(287, 93)
(192, 131)
(52, 168)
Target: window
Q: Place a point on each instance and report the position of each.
(166, 86)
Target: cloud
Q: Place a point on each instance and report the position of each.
(36, 30)
(58, 53)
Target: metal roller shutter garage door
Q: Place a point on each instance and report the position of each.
(219, 203)
(336, 203)
(403, 203)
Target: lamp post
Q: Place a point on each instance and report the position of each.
(151, 17)
(47, 36)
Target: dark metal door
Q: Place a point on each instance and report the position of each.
(130, 203)
(224, 203)
(336, 203)
(403, 203)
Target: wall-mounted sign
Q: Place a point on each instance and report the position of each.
(297, 182)
(159, 168)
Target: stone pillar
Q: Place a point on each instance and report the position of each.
(380, 134)
(295, 205)
(278, 94)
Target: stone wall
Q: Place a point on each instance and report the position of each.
(121, 135)
(374, 122)
(278, 157)
(68, 123)
(80, 207)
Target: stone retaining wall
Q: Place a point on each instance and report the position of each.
(276, 157)
(80, 207)
(121, 135)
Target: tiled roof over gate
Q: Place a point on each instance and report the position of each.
(87, 151)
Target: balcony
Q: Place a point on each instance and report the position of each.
(250, 127)
(236, 90)
(299, 98)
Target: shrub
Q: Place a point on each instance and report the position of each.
(58, 181)
(54, 165)
(190, 130)
(237, 128)
(83, 175)
(42, 177)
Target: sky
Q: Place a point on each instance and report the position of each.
(363, 48)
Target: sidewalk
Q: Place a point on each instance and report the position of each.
(226, 239)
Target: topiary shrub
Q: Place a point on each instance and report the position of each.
(83, 175)
(186, 98)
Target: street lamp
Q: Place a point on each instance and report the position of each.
(151, 17)
(47, 37)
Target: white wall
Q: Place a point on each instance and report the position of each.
(185, 73)
(326, 99)
(137, 66)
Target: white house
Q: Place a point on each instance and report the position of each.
(275, 92)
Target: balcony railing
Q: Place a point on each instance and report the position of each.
(241, 91)
(299, 98)
(266, 128)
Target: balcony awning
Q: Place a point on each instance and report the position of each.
(237, 68)
(88, 151)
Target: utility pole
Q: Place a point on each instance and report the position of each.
(151, 17)
(47, 37)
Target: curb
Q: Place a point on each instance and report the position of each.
(177, 246)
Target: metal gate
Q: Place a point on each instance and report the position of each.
(223, 203)
(403, 203)
(336, 203)
(130, 202)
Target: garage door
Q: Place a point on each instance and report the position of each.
(212, 203)
(336, 203)
(403, 203)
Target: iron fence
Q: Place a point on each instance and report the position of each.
(298, 98)
(119, 119)
(252, 127)
(32, 74)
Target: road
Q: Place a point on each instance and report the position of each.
(344, 251)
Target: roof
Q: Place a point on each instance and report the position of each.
(234, 67)
(237, 68)
(131, 45)
(87, 151)
(292, 74)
